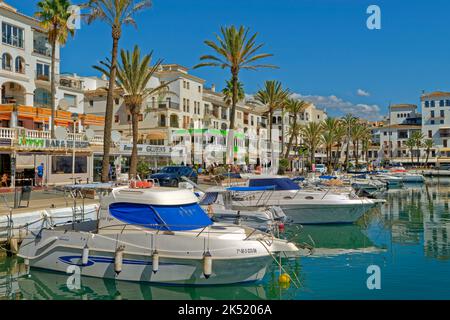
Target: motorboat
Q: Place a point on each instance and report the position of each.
(155, 235)
(410, 177)
(391, 181)
(218, 203)
(304, 206)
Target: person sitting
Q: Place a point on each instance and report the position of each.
(4, 181)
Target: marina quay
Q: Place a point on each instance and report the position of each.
(173, 150)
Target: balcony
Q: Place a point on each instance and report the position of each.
(72, 84)
(169, 105)
(42, 77)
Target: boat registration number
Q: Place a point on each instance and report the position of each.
(246, 250)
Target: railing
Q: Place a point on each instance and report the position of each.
(8, 133)
(42, 50)
(70, 84)
(37, 134)
(169, 105)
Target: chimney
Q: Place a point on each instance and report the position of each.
(213, 87)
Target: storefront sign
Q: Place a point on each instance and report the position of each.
(5, 142)
(51, 143)
(146, 150)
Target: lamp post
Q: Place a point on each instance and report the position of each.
(75, 119)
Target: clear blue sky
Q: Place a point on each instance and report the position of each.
(323, 47)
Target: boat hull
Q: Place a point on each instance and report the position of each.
(325, 213)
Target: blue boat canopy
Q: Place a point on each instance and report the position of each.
(276, 183)
(244, 189)
(169, 218)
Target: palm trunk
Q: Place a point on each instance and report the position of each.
(134, 153)
(418, 156)
(53, 89)
(230, 137)
(347, 151)
(357, 153)
(426, 160)
(110, 107)
(291, 139)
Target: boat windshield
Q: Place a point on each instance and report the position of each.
(276, 183)
(170, 218)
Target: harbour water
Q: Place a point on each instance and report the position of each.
(407, 238)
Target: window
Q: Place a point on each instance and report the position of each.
(432, 103)
(442, 113)
(20, 65)
(116, 118)
(187, 102)
(129, 117)
(117, 101)
(141, 117)
(199, 89)
(447, 103)
(441, 103)
(42, 98)
(7, 62)
(63, 164)
(430, 134)
(432, 113)
(12, 35)
(71, 100)
(187, 85)
(444, 143)
(43, 71)
(91, 103)
(441, 121)
(431, 121)
(427, 104)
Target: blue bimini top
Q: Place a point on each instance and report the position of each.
(275, 183)
(169, 218)
(245, 189)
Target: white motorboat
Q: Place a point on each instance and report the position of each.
(390, 180)
(217, 201)
(410, 177)
(156, 235)
(304, 206)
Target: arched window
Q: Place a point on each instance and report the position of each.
(20, 65)
(42, 98)
(7, 62)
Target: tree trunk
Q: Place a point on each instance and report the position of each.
(347, 151)
(230, 137)
(134, 153)
(426, 160)
(418, 156)
(53, 89)
(109, 109)
(291, 139)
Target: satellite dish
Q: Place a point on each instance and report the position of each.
(90, 133)
(60, 133)
(115, 136)
(63, 104)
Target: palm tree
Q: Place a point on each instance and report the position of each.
(116, 13)
(133, 75)
(428, 144)
(411, 143)
(366, 139)
(228, 92)
(356, 135)
(294, 107)
(235, 51)
(340, 134)
(274, 97)
(329, 126)
(312, 137)
(53, 16)
(418, 137)
(349, 120)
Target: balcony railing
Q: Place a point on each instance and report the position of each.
(71, 84)
(169, 105)
(42, 77)
(41, 49)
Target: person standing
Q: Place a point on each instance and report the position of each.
(40, 175)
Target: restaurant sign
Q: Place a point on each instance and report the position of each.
(40, 143)
(145, 150)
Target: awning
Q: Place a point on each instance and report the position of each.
(444, 149)
(156, 135)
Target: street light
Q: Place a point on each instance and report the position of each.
(75, 119)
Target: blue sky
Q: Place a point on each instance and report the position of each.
(323, 48)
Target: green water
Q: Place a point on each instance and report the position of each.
(408, 238)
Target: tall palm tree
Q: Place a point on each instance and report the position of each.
(418, 137)
(340, 133)
(228, 92)
(312, 137)
(235, 51)
(428, 144)
(116, 13)
(348, 120)
(411, 143)
(274, 97)
(329, 126)
(133, 75)
(53, 16)
(294, 108)
(357, 133)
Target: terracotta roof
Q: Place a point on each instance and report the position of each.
(403, 105)
(435, 94)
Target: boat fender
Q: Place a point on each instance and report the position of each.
(118, 259)
(281, 227)
(207, 264)
(155, 261)
(14, 245)
(284, 280)
(85, 256)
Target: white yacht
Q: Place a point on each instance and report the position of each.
(301, 205)
(157, 235)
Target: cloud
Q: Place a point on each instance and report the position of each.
(362, 93)
(337, 106)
